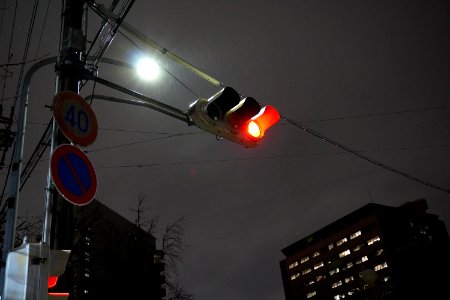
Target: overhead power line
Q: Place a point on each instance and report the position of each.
(360, 155)
(379, 114)
(24, 62)
(271, 199)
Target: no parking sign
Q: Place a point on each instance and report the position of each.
(73, 174)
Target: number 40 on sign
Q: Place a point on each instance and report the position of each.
(75, 118)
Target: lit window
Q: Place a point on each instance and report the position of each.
(380, 266)
(336, 284)
(332, 272)
(317, 253)
(293, 277)
(320, 277)
(356, 234)
(304, 259)
(362, 259)
(340, 242)
(330, 246)
(379, 252)
(319, 265)
(312, 294)
(309, 282)
(357, 247)
(345, 253)
(349, 265)
(371, 241)
(387, 278)
(306, 271)
(348, 279)
(294, 264)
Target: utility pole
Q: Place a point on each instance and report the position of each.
(24, 270)
(58, 227)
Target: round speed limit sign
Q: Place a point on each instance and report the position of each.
(75, 118)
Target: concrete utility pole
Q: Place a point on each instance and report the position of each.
(69, 72)
(24, 270)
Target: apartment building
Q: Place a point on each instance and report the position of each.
(375, 252)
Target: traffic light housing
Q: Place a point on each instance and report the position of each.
(57, 265)
(31, 271)
(226, 114)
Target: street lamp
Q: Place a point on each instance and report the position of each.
(147, 68)
(196, 116)
(13, 197)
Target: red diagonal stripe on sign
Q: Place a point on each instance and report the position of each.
(74, 173)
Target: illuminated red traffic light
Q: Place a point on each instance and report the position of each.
(257, 125)
(229, 115)
(52, 280)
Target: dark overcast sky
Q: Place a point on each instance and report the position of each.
(372, 75)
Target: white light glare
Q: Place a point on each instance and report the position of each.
(148, 69)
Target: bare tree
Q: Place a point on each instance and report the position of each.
(26, 226)
(172, 244)
(150, 225)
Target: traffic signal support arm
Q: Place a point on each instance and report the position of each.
(102, 10)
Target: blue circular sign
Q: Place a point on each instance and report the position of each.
(73, 174)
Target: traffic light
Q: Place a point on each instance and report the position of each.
(57, 265)
(31, 270)
(226, 114)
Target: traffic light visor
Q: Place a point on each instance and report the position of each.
(266, 118)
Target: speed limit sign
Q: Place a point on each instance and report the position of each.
(75, 118)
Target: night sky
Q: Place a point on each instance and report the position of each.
(371, 75)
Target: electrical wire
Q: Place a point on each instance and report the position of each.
(165, 69)
(139, 142)
(24, 62)
(25, 54)
(378, 114)
(43, 28)
(9, 54)
(286, 156)
(108, 38)
(318, 154)
(362, 156)
(3, 8)
(295, 192)
(122, 130)
(142, 50)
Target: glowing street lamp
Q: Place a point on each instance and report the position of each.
(148, 69)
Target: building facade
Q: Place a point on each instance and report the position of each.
(375, 252)
(112, 258)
